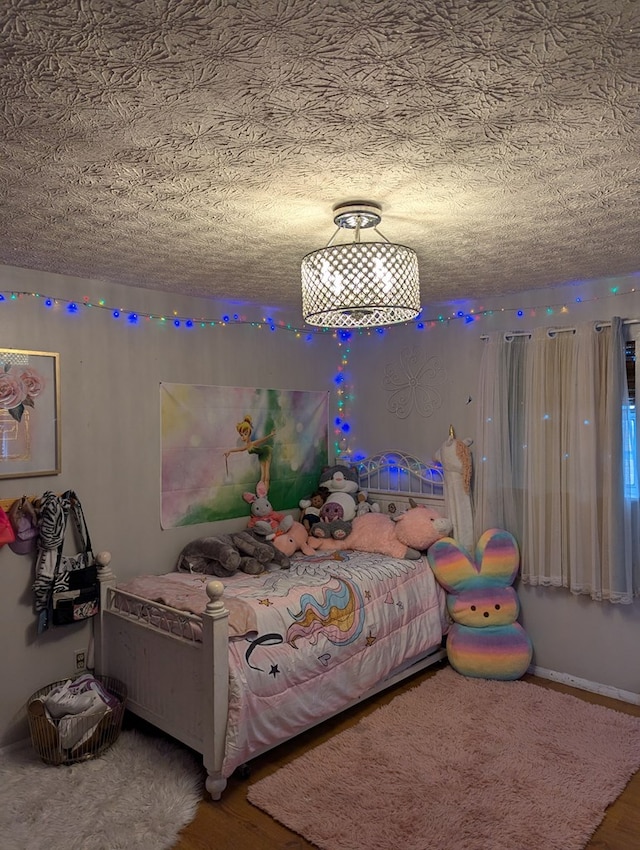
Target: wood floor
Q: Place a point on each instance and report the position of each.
(234, 824)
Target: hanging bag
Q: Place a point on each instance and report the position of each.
(76, 591)
(66, 588)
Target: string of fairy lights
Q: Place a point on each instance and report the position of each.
(420, 323)
(343, 387)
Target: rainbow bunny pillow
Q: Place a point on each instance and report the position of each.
(484, 641)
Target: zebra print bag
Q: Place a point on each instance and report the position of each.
(66, 587)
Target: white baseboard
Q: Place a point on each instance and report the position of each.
(585, 685)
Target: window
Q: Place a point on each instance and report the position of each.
(551, 465)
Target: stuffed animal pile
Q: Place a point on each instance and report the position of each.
(347, 521)
(485, 641)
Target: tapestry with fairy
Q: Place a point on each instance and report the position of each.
(220, 442)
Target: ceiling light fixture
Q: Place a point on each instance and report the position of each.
(360, 284)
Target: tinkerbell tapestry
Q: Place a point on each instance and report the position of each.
(221, 442)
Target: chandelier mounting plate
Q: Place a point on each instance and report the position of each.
(354, 214)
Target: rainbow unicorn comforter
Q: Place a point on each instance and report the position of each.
(307, 642)
(327, 631)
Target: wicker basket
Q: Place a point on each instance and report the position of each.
(44, 732)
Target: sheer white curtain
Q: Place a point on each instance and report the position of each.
(549, 457)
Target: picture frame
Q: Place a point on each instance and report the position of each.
(30, 440)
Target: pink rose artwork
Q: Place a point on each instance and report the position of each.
(19, 387)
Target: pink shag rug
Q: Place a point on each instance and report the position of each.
(460, 764)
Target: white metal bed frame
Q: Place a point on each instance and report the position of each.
(181, 685)
(392, 478)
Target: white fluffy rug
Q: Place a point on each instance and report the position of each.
(137, 796)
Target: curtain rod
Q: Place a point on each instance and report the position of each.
(564, 330)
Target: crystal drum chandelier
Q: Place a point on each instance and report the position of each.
(360, 284)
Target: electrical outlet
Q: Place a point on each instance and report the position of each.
(80, 656)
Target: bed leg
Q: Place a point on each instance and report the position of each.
(215, 785)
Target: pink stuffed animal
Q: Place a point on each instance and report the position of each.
(291, 539)
(405, 536)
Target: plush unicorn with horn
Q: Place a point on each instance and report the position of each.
(455, 457)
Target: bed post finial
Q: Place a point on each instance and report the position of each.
(215, 605)
(452, 433)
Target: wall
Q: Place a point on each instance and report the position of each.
(110, 417)
(433, 372)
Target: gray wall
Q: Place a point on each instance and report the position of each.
(110, 413)
(111, 442)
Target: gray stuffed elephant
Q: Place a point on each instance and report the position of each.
(225, 554)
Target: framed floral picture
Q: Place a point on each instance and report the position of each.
(29, 413)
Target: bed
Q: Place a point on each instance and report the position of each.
(234, 667)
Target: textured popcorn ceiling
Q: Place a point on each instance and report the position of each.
(199, 147)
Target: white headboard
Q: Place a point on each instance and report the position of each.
(392, 477)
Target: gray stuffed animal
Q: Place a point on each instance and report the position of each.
(339, 507)
(225, 554)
